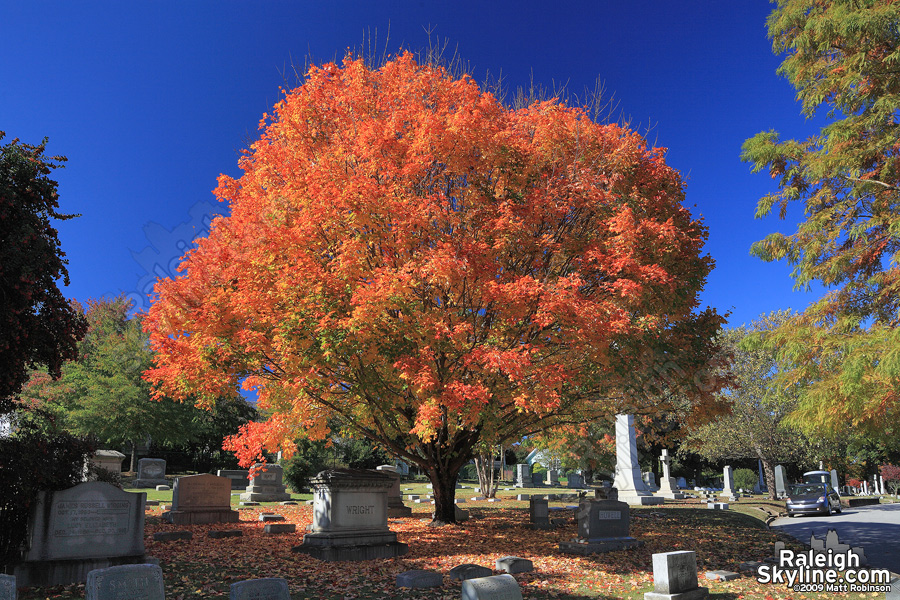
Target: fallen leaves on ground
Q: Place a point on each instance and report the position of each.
(205, 568)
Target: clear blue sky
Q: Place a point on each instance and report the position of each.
(151, 101)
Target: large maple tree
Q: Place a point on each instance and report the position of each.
(412, 259)
(843, 57)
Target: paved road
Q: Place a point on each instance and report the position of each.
(875, 528)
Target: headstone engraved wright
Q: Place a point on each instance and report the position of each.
(151, 473)
(350, 517)
(603, 526)
(93, 525)
(199, 499)
(267, 485)
(125, 582)
(268, 588)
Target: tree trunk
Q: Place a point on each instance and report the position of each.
(484, 466)
(769, 473)
(133, 454)
(443, 485)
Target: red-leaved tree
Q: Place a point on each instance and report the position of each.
(410, 258)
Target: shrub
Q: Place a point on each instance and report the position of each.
(104, 475)
(745, 479)
(34, 459)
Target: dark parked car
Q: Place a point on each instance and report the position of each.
(812, 499)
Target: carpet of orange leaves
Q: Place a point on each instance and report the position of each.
(204, 567)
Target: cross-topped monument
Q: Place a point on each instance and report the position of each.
(667, 486)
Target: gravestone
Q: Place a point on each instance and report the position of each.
(125, 582)
(350, 517)
(668, 488)
(200, 499)
(469, 571)
(267, 588)
(151, 473)
(552, 477)
(495, 587)
(834, 481)
(7, 587)
(603, 526)
(513, 564)
(575, 480)
(728, 488)
(267, 485)
(396, 508)
(536, 480)
(628, 471)
(109, 460)
(240, 479)
(93, 525)
(650, 481)
(523, 475)
(675, 577)
(780, 481)
(539, 512)
(681, 482)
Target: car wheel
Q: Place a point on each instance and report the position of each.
(839, 509)
(828, 509)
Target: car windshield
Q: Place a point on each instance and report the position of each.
(802, 490)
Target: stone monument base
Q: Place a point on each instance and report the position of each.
(399, 511)
(201, 517)
(641, 500)
(599, 545)
(40, 573)
(351, 546)
(696, 594)
(671, 495)
(265, 496)
(353, 553)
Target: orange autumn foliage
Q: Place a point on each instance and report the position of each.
(409, 257)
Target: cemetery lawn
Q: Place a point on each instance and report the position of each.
(204, 568)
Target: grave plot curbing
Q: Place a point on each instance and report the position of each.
(225, 533)
(280, 528)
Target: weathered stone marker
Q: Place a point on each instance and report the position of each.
(125, 582)
(7, 587)
(396, 508)
(240, 479)
(350, 517)
(628, 481)
(91, 526)
(496, 587)
(603, 526)
(151, 473)
(199, 499)
(539, 512)
(267, 486)
(675, 577)
(523, 475)
(268, 588)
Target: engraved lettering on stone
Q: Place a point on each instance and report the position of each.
(353, 509)
(609, 515)
(75, 519)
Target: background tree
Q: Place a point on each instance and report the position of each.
(841, 56)
(37, 324)
(408, 257)
(756, 427)
(102, 393)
